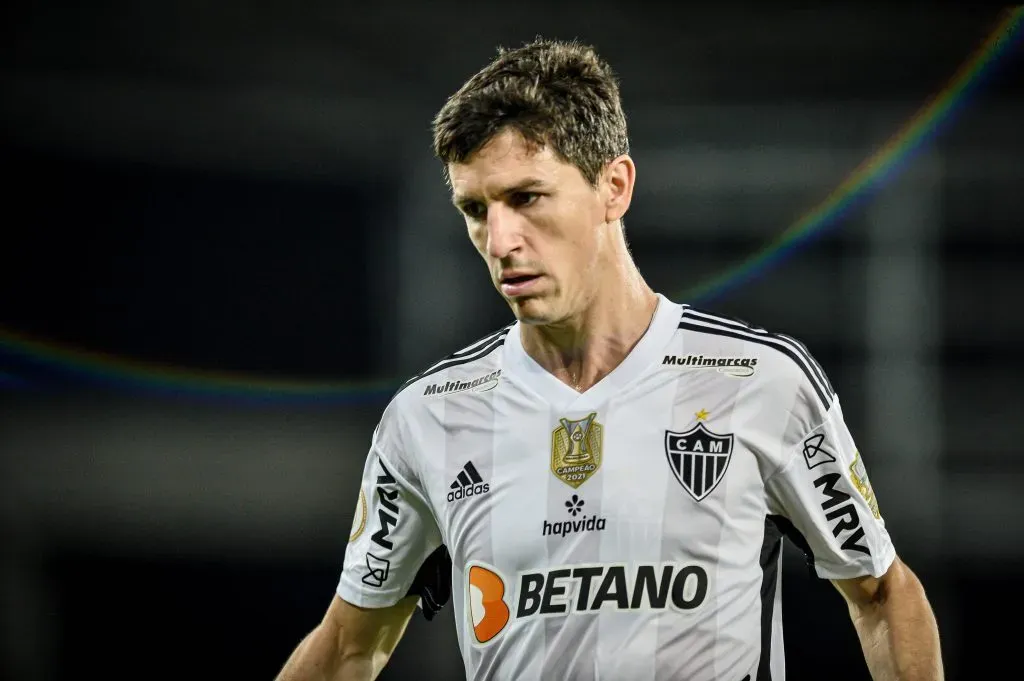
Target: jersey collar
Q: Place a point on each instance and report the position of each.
(520, 366)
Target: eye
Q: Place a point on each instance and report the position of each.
(473, 210)
(522, 199)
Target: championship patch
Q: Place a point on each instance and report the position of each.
(576, 449)
(359, 519)
(859, 478)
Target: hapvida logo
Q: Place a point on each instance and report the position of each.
(584, 523)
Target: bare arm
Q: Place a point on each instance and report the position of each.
(350, 644)
(895, 623)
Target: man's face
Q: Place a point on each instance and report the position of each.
(537, 224)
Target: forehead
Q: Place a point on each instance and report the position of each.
(506, 161)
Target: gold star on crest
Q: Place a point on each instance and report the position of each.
(702, 414)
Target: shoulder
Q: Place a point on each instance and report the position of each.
(782, 367)
(473, 369)
(455, 372)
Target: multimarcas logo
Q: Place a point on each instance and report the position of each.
(482, 384)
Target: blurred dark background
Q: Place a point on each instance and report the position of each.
(248, 189)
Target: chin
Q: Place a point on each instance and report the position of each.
(533, 311)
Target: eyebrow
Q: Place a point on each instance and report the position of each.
(525, 185)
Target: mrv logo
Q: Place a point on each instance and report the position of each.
(482, 384)
(589, 588)
(846, 514)
(387, 514)
(378, 567)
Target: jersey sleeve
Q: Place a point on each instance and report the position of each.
(393, 532)
(823, 490)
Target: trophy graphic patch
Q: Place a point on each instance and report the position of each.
(576, 449)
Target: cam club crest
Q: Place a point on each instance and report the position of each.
(576, 449)
(698, 458)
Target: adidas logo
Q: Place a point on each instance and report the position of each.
(468, 484)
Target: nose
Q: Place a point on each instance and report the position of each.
(504, 232)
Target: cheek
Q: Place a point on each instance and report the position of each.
(574, 249)
(477, 236)
(580, 238)
(579, 221)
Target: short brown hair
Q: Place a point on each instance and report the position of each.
(556, 94)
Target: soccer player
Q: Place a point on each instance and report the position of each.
(601, 487)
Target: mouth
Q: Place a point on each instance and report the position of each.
(518, 285)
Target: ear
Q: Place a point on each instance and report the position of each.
(617, 182)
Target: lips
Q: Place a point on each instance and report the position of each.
(517, 284)
(517, 278)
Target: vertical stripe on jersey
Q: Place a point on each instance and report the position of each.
(468, 450)
(516, 499)
(771, 556)
(708, 532)
(570, 641)
(634, 496)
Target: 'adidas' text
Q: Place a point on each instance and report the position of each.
(464, 492)
(468, 484)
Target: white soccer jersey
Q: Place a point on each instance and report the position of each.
(632, 531)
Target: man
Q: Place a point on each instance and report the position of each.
(611, 474)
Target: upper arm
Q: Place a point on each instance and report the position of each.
(821, 486)
(394, 531)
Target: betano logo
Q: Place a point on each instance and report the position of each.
(482, 384)
(580, 589)
(487, 609)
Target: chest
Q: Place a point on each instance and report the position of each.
(664, 475)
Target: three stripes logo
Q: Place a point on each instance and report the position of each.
(477, 351)
(715, 325)
(468, 484)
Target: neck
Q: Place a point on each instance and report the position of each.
(586, 347)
